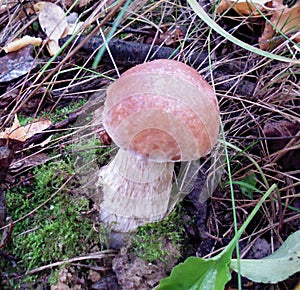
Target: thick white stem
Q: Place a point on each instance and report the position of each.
(135, 191)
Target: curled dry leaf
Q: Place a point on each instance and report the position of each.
(53, 21)
(242, 7)
(22, 42)
(286, 20)
(22, 133)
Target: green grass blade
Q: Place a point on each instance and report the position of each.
(110, 34)
(203, 15)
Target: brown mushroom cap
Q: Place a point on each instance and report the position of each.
(162, 110)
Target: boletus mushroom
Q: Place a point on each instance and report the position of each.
(158, 113)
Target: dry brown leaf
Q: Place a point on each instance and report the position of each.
(242, 7)
(22, 133)
(16, 131)
(72, 28)
(60, 286)
(53, 21)
(171, 37)
(287, 20)
(22, 42)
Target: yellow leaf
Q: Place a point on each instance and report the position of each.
(15, 131)
(36, 127)
(297, 286)
(53, 21)
(22, 42)
(22, 133)
(286, 20)
(242, 7)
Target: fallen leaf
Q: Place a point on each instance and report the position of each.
(280, 134)
(53, 21)
(60, 286)
(16, 131)
(242, 7)
(73, 28)
(22, 133)
(83, 3)
(286, 20)
(22, 42)
(16, 64)
(94, 276)
(171, 37)
(282, 130)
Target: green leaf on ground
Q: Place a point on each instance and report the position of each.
(197, 273)
(276, 267)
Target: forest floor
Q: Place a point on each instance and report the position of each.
(51, 236)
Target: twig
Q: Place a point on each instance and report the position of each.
(131, 53)
(93, 256)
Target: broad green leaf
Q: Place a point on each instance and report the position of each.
(197, 273)
(276, 267)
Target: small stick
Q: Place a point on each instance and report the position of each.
(130, 53)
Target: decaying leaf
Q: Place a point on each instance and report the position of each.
(53, 21)
(242, 7)
(83, 3)
(169, 37)
(286, 20)
(22, 42)
(16, 64)
(73, 28)
(22, 133)
(282, 129)
(16, 131)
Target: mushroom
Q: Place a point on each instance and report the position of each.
(158, 113)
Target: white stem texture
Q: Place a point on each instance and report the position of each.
(135, 191)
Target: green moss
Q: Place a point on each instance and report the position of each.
(89, 152)
(61, 113)
(55, 231)
(149, 242)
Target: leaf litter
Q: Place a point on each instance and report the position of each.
(283, 20)
(22, 133)
(282, 17)
(53, 22)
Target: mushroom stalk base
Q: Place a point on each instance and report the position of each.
(135, 191)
